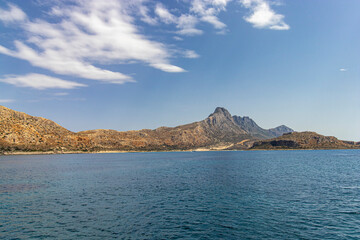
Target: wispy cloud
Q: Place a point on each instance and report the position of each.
(177, 38)
(61, 94)
(87, 33)
(39, 81)
(191, 54)
(343, 69)
(214, 21)
(187, 25)
(7, 100)
(208, 11)
(199, 11)
(79, 38)
(262, 16)
(164, 14)
(13, 14)
(144, 13)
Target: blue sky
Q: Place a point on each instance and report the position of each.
(144, 64)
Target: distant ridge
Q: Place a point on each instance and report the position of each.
(20, 132)
(219, 129)
(304, 140)
(246, 124)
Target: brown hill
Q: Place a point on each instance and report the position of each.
(218, 129)
(22, 132)
(304, 140)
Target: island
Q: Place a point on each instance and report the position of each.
(21, 133)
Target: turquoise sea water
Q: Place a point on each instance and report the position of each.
(183, 195)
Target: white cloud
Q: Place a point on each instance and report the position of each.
(61, 94)
(83, 36)
(199, 11)
(167, 67)
(7, 100)
(222, 32)
(214, 21)
(186, 24)
(262, 16)
(14, 14)
(343, 69)
(177, 38)
(164, 14)
(191, 54)
(39, 81)
(144, 13)
(89, 33)
(208, 9)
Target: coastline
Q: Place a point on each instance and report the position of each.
(19, 153)
(104, 151)
(81, 152)
(212, 148)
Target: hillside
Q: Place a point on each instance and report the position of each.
(219, 129)
(22, 132)
(304, 140)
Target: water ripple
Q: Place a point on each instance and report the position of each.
(209, 195)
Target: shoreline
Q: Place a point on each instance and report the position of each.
(19, 153)
(104, 151)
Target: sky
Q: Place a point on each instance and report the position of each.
(128, 65)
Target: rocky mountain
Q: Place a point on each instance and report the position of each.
(243, 125)
(304, 140)
(219, 129)
(253, 129)
(22, 132)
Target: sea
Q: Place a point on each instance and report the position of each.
(305, 194)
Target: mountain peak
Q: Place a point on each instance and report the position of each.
(221, 111)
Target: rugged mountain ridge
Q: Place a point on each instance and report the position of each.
(253, 129)
(218, 129)
(22, 132)
(247, 125)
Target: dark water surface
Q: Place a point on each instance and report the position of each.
(184, 195)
